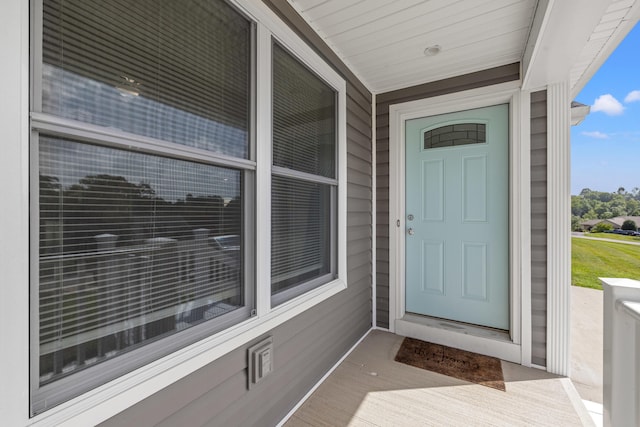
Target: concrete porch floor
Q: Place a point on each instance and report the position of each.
(586, 348)
(586, 342)
(370, 389)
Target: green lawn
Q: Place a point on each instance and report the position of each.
(592, 259)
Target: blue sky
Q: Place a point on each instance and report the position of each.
(605, 147)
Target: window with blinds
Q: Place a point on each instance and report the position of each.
(304, 182)
(145, 217)
(143, 173)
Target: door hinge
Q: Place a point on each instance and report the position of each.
(398, 223)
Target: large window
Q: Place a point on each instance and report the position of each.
(165, 214)
(141, 153)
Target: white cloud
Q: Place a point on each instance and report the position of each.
(632, 96)
(608, 105)
(596, 134)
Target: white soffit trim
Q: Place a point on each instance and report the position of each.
(560, 30)
(589, 62)
(540, 21)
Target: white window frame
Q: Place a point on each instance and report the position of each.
(271, 28)
(115, 396)
(299, 176)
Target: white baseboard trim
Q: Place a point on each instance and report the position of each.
(583, 413)
(316, 385)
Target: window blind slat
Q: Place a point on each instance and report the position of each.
(145, 67)
(304, 118)
(301, 232)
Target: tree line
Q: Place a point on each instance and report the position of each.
(591, 204)
(72, 217)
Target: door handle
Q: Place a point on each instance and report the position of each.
(411, 232)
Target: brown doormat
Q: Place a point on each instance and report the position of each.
(464, 365)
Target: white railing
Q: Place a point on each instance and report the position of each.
(621, 352)
(108, 297)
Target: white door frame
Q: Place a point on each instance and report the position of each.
(517, 347)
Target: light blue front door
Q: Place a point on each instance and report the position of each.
(457, 223)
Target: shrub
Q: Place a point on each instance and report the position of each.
(629, 225)
(601, 227)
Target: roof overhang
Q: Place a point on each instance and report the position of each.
(571, 39)
(560, 30)
(386, 43)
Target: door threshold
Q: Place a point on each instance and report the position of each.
(477, 339)
(459, 327)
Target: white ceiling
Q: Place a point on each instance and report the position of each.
(383, 41)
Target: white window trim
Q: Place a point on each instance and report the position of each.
(518, 348)
(269, 28)
(14, 169)
(313, 178)
(111, 398)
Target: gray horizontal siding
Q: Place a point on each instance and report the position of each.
(383, 101)
(307, 346)
(539, 228)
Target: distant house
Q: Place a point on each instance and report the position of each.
(619, 220)
(616, 222)
(588, 225)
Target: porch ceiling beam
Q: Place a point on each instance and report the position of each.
(559, 31)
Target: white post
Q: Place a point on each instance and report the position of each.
(558, 228)
(621, 373)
